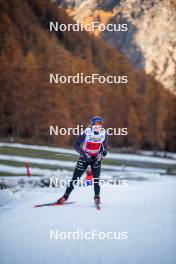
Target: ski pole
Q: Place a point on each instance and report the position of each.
(27, 168)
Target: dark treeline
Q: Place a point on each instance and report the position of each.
(29, 104)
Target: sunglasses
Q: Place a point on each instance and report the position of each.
(98, 123)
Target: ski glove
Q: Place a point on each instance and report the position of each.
(101, 155)
(104, 153)
(85, 155)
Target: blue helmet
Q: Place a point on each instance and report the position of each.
(96, 119)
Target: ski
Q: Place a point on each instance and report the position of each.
(53, 204)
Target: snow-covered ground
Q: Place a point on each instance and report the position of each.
(158, 153)
(145, 211)
(131, 165)
(115, 156)
(62, 164)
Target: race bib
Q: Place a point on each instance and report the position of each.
(93, 146)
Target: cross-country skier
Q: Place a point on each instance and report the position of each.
(91, 145)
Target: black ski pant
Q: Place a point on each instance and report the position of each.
(80, 168)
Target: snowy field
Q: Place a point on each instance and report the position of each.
(50, 161)
(145, 211)
(146, 157)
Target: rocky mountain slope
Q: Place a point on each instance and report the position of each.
(150, 41)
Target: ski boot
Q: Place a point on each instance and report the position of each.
(63, 199)
(97, 201)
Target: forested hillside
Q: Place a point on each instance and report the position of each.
(29, 104)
